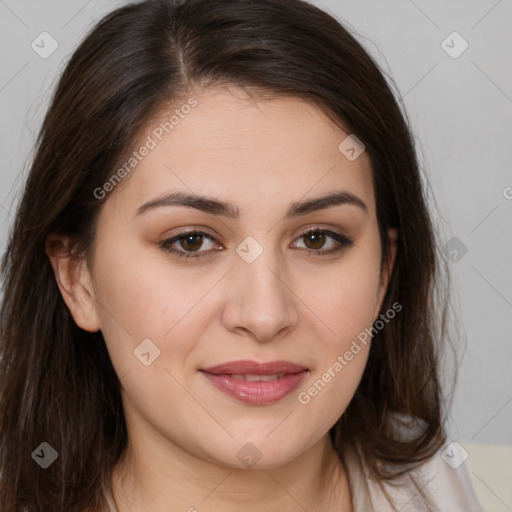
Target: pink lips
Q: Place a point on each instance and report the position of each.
(256, 383)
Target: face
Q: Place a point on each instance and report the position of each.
(274, 293)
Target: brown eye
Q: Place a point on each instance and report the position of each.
(191, 242)
(314, 239)
(188, 245)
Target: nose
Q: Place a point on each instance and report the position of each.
(260, 303)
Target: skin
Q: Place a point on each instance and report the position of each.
(289, 304)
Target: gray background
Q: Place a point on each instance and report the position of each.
(460, 110)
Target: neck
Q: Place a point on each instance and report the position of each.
(151, 478)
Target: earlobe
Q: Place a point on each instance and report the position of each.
(74, 281)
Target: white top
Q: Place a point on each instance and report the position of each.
(449, 488)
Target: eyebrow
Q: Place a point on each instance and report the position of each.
(215, 207)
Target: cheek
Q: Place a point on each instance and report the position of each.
(345, 306)
(141, 297)
(347, 309)
(346, 297)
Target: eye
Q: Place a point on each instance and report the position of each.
(316, 238)
(188, 244)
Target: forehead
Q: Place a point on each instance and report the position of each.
(245, 150)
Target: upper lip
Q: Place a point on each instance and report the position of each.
(253, 368)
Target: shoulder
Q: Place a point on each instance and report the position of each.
(443, 478)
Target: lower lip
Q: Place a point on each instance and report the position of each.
(259, 392)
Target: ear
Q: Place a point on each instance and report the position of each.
(388, 268)
(74, 282)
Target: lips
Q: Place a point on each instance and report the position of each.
(253, 368)
(256, 383)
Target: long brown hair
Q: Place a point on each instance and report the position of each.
(58, 384)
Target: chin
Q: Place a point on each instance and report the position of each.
(257, 453)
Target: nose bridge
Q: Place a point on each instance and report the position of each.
(261, 300)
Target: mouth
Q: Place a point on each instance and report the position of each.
(256, 383)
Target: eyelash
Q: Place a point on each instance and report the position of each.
(342, 241)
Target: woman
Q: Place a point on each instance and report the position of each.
(220, 287)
